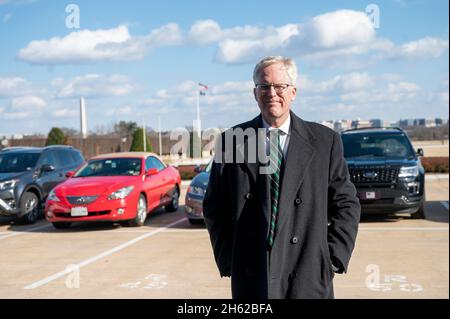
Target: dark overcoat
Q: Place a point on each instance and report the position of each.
(318, 215)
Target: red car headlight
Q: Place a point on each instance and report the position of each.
(121, 193)
(52, 196)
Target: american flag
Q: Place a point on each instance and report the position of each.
(202, 89)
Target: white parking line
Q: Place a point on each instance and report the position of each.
(25, 231)
(100, 256)
(202, 230)
(445, 204)
(403, 228)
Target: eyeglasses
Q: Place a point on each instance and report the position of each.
(279, 87)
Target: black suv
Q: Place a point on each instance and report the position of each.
(27, 175)
(386, 170)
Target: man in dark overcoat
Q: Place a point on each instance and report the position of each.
(280, 208)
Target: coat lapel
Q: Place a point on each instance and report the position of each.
(250, 166)
(298, 158)
(259, 180)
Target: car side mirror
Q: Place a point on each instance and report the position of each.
(47, 168)
(151, 172)
(198, 169)
(420, 152)
(70, 174)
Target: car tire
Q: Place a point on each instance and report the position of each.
(196, 221)
(30, 207)
(141, 213)
(174, 203)
(62, 225)
(420, 214)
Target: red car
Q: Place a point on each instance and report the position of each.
(114, 187)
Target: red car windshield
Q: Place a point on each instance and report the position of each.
(111, 167)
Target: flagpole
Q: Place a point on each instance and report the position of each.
(199, 125)
(198, 113)
(160, 141)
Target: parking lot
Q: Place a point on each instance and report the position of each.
(395, 257)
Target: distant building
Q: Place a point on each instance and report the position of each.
(4, 142)
(377, 123)
(430, 123)
(328, 124)
(342, 125)
(393, 124)
(361, 124)
(420, 122)
(406, 122)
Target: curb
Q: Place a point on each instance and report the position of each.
(436, 176)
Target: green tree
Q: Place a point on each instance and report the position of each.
(125, 129)
(138, 142)
(55, 137)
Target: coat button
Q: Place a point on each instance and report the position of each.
(294, 240)
(248, 196)
(298, 201)
(251, 235)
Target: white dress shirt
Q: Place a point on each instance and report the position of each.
(284, 133)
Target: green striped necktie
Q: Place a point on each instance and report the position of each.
(276, 158)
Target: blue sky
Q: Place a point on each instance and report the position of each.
(137, 60)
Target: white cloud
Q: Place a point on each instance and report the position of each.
(401, 87)
(248, 49)
(230, 87)
(16, 115)
(29, 103)
(95, 85)
(340, 83)
(153, 102)
(65, 113)
(79, 46)
(441, 94)
(209, 31)
(100, 45)
(169, 34)
(12, 86)
(338, 36)
(343, 32)
(422, 48)
(205, 31)
(343, 28)
(125, 110)
(180, 100)
(187, 87)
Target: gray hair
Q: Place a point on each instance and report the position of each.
(291, 67)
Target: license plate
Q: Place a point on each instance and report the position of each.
(369, 195)
(78, 211)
